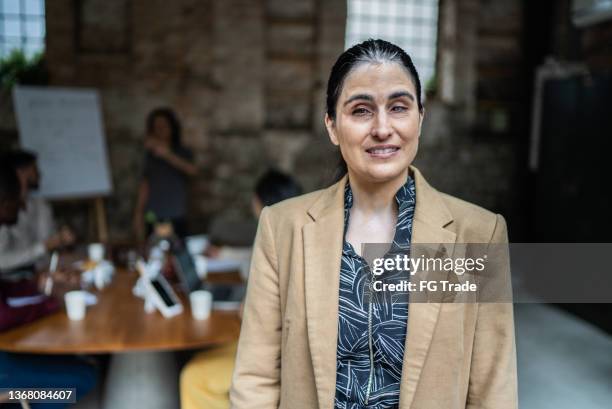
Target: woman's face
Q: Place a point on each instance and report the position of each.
(377, 123)
(161, 129)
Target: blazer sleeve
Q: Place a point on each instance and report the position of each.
(256, 378)
(493, 377)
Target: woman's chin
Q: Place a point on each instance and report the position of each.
(386, 172)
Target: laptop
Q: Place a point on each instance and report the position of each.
(225, 296)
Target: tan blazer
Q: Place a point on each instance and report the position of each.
(456, 355)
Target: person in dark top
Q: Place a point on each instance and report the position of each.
(33, 371)
(162, 194)
(272, 187)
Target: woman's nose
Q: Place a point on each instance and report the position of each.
(381, 128)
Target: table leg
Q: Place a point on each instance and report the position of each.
(142, 380)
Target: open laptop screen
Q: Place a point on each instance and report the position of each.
(186, 270)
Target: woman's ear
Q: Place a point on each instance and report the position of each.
(422, 116)
(331, 130)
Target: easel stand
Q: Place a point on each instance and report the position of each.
(95, 213)
(100, 219)
(98, 226)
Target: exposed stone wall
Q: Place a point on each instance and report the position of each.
(477, 127)
(248, 78)
(244, 76)
(468, 144)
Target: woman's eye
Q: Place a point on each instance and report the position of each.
(360, 111)
(399, 108)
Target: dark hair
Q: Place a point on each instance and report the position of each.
(372, 52)
(9, 184)
(170, 116)
(20, 158)
(275, 186)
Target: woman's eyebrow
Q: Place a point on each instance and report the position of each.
(359, 96)
(400, 94)
(367, 97)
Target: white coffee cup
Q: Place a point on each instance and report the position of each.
(196, 244)
(201, 304)
(75, 305)
(102, 276)
(200, 265)
(95, 252)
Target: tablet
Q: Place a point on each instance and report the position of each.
(161, 293)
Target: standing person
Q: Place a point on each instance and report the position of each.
(25, 243)
(309, 337)
(33, 371)
(162, 193)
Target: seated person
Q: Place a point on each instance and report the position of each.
(32, 371)
(206, 379)
(271, 188)
(27, 241)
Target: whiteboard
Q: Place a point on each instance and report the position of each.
(64, 127)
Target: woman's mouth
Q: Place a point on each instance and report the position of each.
(382, 151)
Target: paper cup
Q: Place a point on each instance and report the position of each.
(201, 304)
(75, 305)
(101, 276)
(95, 252)
(200, 266)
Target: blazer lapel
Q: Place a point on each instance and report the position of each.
(430, 217)
(322, 253)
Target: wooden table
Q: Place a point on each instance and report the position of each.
(118, 323)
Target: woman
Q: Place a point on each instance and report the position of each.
(306, 340)
(162, 194)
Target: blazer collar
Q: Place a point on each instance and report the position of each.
(323, 239)
(329, 200)
(430, 207)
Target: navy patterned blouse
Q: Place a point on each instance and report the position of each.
(360, 381)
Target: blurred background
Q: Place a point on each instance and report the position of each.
(247, 80)
(517, 96)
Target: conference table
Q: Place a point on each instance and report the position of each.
(118, 323)
(141, 343)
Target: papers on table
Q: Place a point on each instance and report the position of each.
(219, 265)
(16, 302)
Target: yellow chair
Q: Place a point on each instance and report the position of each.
(206, 379)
